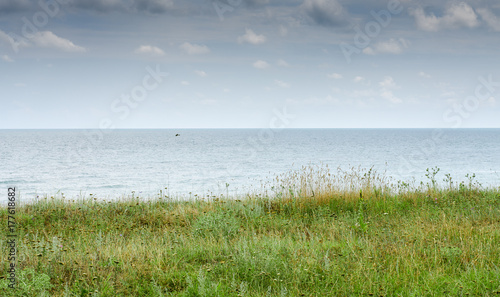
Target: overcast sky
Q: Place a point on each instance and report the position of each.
(237, 64)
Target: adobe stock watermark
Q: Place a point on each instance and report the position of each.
(254, 144)
(121, 109)
(484, 90)
(278, 122)
(223, 6)
(11, 239)
(372, 29)
(48, 9)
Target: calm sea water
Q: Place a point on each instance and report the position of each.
(79, 162)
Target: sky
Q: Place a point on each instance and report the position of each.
(109, 64)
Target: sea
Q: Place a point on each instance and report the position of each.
(113, 164)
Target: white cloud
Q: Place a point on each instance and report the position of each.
(194, 49)
(200, 73)
(369, 51)
(358, 79)
(448, 94)
(44, 39)
(424, 75)
(328, 100)
(149, 49)
(283, 30)
(283, 63)
(335, 75)
(388, 95)
(50, 40)
(20, 85)
(8, 40)
(208, 102)
(492, 101)
(490, 19)
(282, 84)
(456, 15)
(4, 36)
(426, 23)
(386, 90)
(15, 43)
(260, 64)
(392, 46)
(184, 83)
(367, 93)
(251, 37)
(388, 83)
(460, 15)
(7, 58)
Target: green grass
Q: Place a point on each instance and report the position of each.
(368, 237)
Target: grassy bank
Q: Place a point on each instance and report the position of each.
(372, 238)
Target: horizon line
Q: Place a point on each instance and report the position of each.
(251, 128)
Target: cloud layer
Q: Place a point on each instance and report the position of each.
(456, 15)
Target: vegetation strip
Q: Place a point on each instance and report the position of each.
(372, 241)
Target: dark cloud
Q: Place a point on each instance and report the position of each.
(99, 6)
(130, 6)
(153, 6)
(255, 3)
(102, 6)
(13, 6)
(328, 13)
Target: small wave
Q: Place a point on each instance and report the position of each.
(13, 182)
(111, 187)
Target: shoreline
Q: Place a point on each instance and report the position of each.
(304, 181)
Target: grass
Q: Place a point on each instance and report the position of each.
(314, 233)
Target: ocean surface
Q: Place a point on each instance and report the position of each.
(113, 164)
